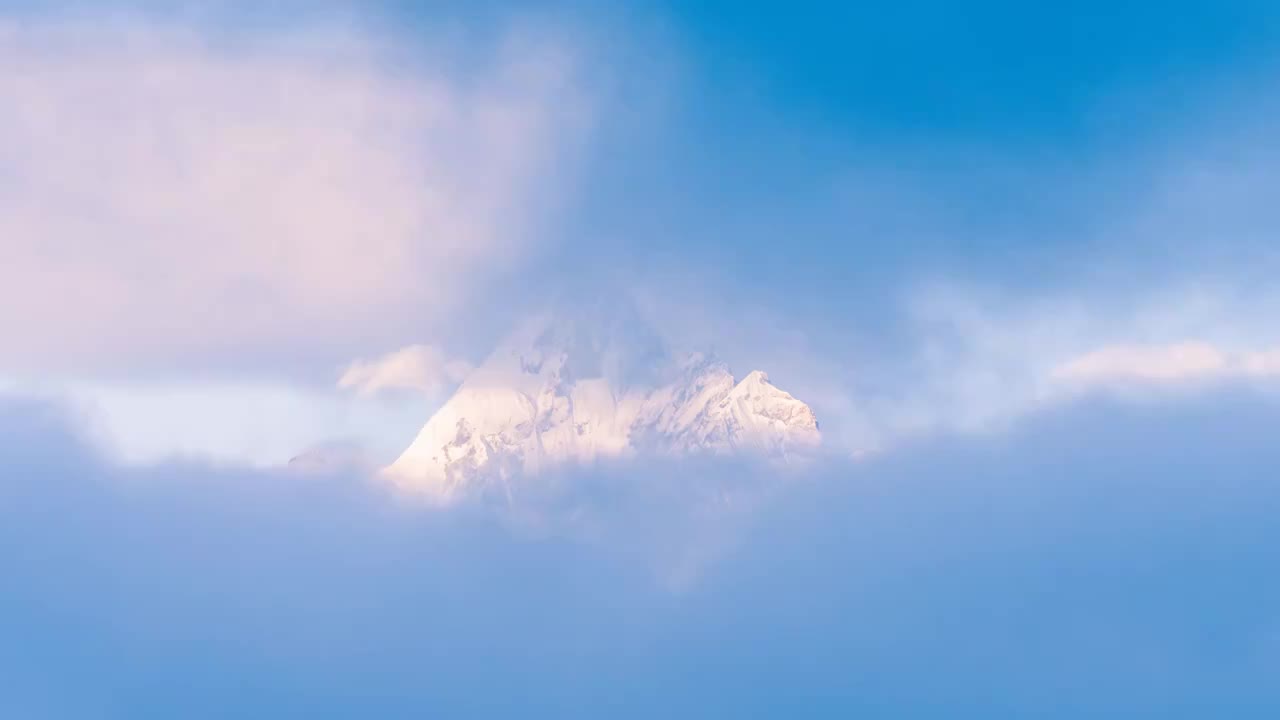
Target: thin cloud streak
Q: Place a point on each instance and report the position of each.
(423, 368)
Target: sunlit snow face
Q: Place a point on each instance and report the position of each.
(557, 395)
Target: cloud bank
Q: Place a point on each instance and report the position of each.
(1103, 562)
(166, 193)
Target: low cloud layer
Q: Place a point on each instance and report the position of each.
(1102, 562)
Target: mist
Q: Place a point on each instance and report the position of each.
(1104, 560)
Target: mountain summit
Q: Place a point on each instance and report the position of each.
(561, 392)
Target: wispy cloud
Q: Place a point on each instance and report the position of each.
(1178, 362)
(424, 368)
(982, 360)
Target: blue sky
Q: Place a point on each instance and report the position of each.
(1018, 258)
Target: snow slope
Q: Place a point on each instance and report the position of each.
(574, 391)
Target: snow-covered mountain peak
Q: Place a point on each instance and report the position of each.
(575, 390)
(755, 379)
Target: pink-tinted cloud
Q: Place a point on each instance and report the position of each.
(166, 195)
(424, 368)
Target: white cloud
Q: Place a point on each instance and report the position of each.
(417, 367)
(979, 360)
(166, 194)
(260, 424)
(1179, 361)
(1265, 363)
